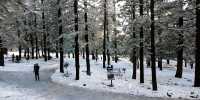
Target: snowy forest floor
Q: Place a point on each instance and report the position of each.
(168, 85)
(17, 83)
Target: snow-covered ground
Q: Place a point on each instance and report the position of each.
(168, 85)
(17, 82)
(27, 65)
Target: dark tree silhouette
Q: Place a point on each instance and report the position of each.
(44, 33)
(61, 39)
(76, 40)
(153, 54)
(104, 34)
(180, 52)
(1, 53)
(87, 40)
(134, 48)
(197, 66)
(141, 46)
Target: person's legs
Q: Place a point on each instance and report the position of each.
(38, 76)
(35, 77)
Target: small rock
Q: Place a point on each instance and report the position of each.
(84, 84)
(169, 94)
(175, 83)
(193, 95)
(148, 88)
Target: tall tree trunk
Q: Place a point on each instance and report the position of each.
(87, 40)
(36, 37)
(32, 47)
(160, 63)
(28, 54)
(44, 33)
(96, 54)
(186, 63)
(168, 61)
(141, 46)
(57, 45)
(134, 59)
(42, 48)
(180, 52)
(197, 57)
(73, 55)
(19, 43)
(153, 54)
(49, 53)
(108, 44)
(83, 53)
(36, 45)
(115, 32)
(104, 34)
(76, 40)
(148, 60)
(61, 39)
(25, 52)
(1, 53)
(20, 52)
(93, 55)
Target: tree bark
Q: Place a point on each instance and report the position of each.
(32, 47)
(44, 32)
(141, 46)
(168, 61)
(197, 57)
(148, 62)
(160, 63)
(108, 44)
(83, 53)
(153, 53)
(57, 49)
(96, 55)
(134, 59)
(61, 39)
(28, 54)
(87, 40)
(1, 53)
(36, 37)
(76, 40)
(104, 34)
(115, 33)
(180, 52)
(19, 43)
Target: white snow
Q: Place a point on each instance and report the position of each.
(27, 65)
(168, 85)
(12, 92)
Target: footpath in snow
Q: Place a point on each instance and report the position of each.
(168, 85)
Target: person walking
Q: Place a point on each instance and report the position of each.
(36, 71)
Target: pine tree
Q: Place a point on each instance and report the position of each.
(76, 40)
(180, 48)
(153, 60)
(87, 40)
(141, 46)
(44, 32)
(36, 37)
(1, 53)
(61, 39)
(134, 58)
(197, 67)
(104, 34)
